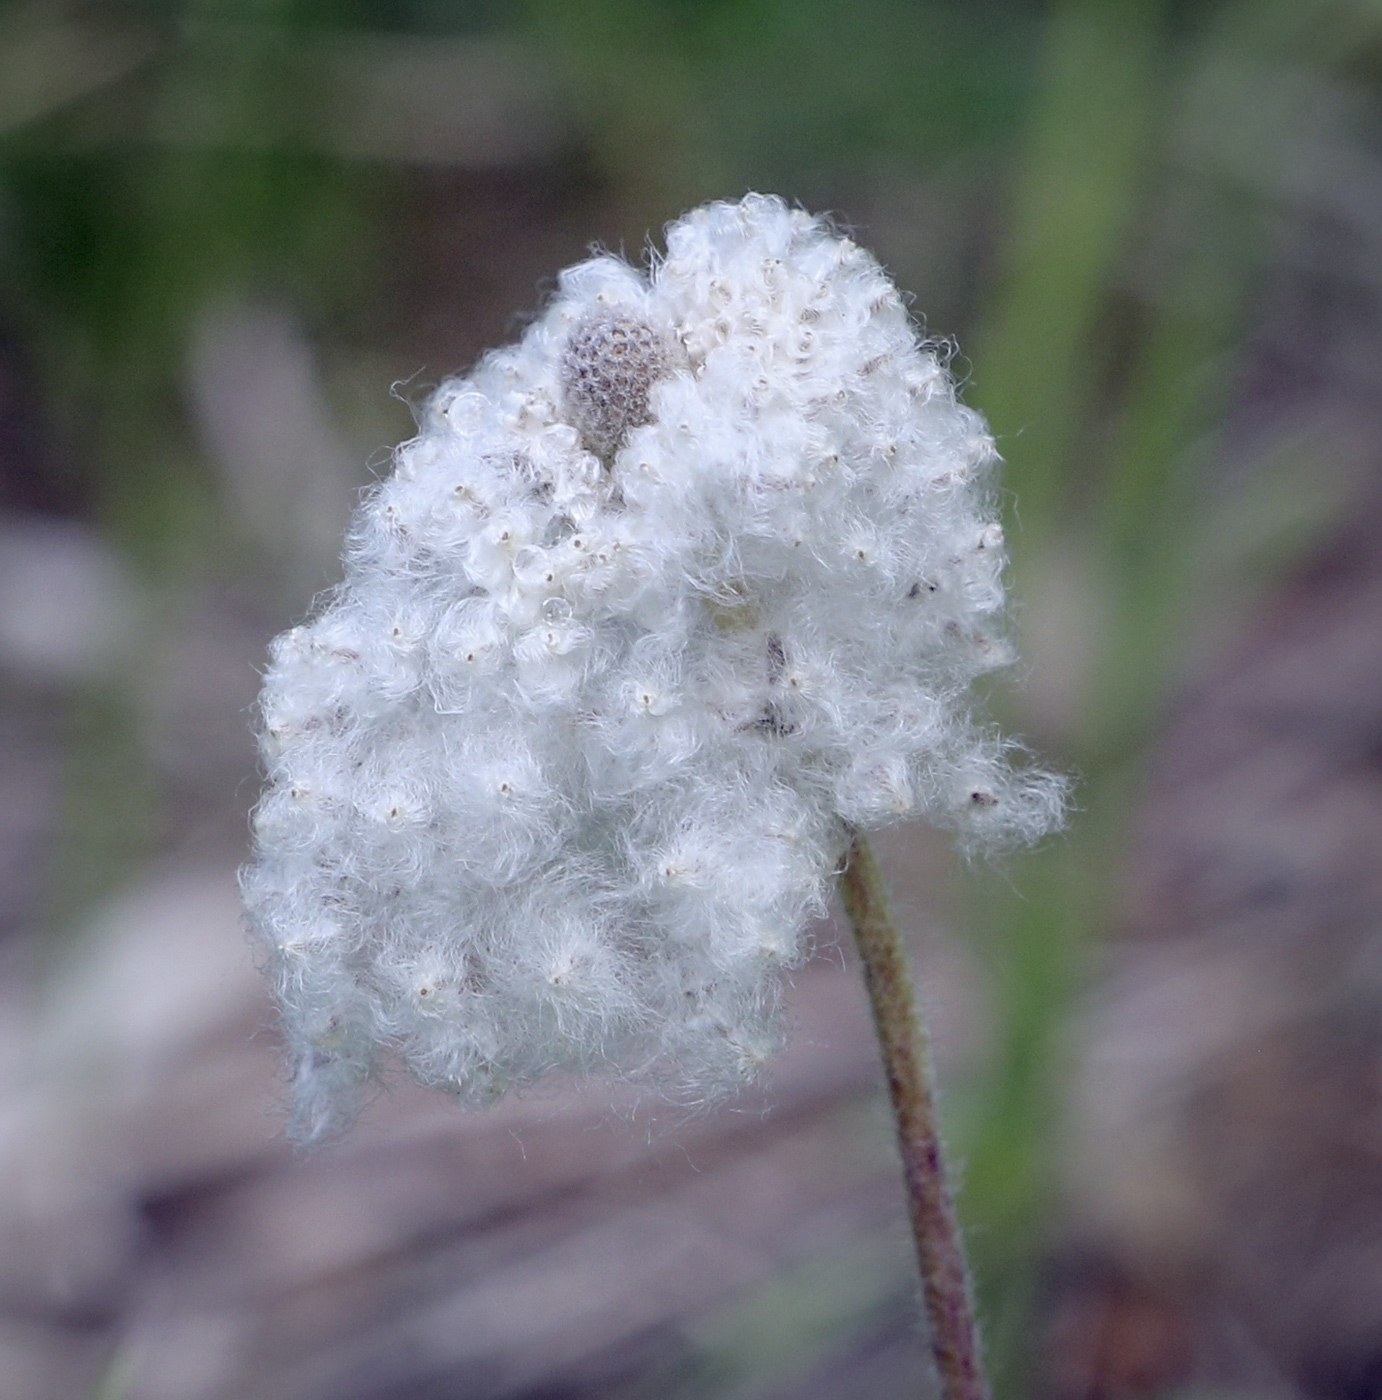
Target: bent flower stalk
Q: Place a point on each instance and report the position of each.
(661, 605)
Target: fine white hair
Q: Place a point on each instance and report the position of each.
(658, 600)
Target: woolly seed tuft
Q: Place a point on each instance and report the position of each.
(659, 599)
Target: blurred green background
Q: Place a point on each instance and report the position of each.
(238, 241)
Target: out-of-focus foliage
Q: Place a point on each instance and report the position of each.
(1087, 194)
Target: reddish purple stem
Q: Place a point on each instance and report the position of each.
(944, 1275)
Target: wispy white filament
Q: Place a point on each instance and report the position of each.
(658, 598)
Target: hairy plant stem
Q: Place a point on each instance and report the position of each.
(944, 1275)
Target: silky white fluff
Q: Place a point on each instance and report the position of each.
(657, 601)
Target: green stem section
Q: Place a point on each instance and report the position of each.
(902, 1039)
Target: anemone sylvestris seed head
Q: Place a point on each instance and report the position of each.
(658, 601)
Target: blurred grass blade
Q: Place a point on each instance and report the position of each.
(48, 60)
(1077, 186)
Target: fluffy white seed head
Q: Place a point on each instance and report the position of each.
(658, 599)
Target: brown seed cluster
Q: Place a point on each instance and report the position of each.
(611, 362)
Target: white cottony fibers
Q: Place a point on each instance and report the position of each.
(658, 599)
